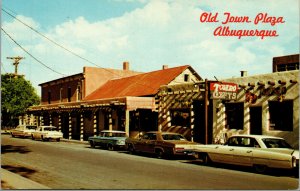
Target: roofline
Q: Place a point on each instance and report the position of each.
(48, 82)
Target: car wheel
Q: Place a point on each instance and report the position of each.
(131, 149)
(110, 147)
(205, 158)
(32, 137)
(159, 154)
(58, 139)
(260, 168)
(92, 144)
(12, 135)
(42, 137)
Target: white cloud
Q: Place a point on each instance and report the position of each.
(162, 32)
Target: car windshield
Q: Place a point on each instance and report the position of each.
(173, 137)
(276, 143)
(50, 129)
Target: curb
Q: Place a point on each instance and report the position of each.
(16, 181)
(74, 141)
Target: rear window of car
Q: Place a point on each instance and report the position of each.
(173, 137)
(50, 129)
(276, 143)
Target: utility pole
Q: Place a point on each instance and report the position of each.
(16, 63)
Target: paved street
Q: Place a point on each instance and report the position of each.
(65, 165)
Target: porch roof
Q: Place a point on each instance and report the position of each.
(130, 103)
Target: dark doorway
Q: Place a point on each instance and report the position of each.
(199, 122)
(256, 120)
(75, 126)
(65, 125)
(234, 115)
(143, 120)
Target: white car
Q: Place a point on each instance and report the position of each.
(47, 133)
(259, 151)
(23, 130)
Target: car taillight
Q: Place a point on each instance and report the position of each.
(294, 162)
(179, 149)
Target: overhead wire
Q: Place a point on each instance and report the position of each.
(66, 49)
(31, 54)
(49, 39)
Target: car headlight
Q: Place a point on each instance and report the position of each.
(120, 142)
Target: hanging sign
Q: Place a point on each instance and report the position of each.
(224, 90)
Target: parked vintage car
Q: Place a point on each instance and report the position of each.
(258, 151)
(47, 133)
(23, 130)
(162, 144)
(109, 139)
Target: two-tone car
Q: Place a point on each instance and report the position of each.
(110, 139)
(161, 144)
(23, 130)
(47, 133)
(258, 151)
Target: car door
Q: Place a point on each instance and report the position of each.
(150, 143)
(222, 153)
(18, 130)
(140, 144)
(243, 152)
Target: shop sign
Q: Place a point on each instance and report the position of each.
(224, 90)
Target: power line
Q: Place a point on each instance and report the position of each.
(75, 54)
(31, 54)
(64, 48)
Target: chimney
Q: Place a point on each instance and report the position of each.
(125, 65)
(244, 73)
(165, 67)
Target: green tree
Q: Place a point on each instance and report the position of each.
(17, 95)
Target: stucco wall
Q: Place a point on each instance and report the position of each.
(96, 77)
(180, 78)
(292, 94)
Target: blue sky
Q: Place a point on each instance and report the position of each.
(147, 33)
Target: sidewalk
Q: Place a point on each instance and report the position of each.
(15, 181)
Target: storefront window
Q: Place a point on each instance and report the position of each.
(180, 117)
(281, 115)
(234, 115)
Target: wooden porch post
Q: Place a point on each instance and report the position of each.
(127, 122)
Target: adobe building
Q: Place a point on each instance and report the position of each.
(82, 105)
(212, 111)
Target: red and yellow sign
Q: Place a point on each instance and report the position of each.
(223, 90)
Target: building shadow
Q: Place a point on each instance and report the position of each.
(23, 171)
(270, 172)
(14, 149)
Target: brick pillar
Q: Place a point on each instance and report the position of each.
(192, 123)
(27, 119)
(42, 120)
(50, 119)
(81, 127)
(110, 121)
(59, 122)
(168, 119)
(160, 113)
(95, 123)
(70, 126)
(127, 122)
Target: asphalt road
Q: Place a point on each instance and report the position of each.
(64, 165)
